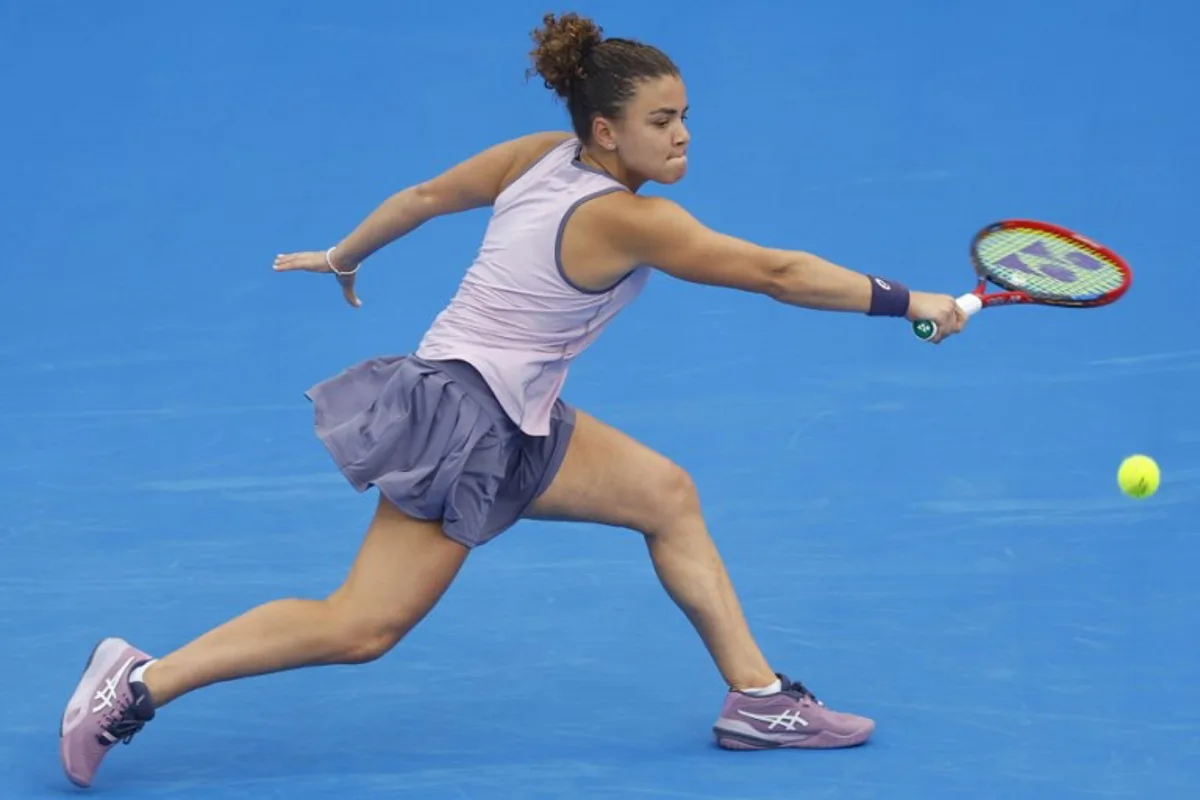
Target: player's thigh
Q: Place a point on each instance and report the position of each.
(403, 567)
(609, 477)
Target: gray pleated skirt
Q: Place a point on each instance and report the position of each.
(432, 438)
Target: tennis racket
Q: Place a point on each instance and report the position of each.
(1039, 263)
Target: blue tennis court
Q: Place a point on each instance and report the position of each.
(930, 536)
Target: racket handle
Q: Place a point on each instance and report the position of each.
(927, 329)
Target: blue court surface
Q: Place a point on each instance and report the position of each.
(931, 536)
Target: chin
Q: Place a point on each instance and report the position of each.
(673, 171)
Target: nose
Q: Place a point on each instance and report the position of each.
(682, 136)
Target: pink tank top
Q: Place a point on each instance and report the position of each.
(516, 318)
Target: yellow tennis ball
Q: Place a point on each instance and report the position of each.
(1138, 476)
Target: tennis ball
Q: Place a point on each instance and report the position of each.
(1138, 476)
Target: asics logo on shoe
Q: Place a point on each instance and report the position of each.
(108, 693)
(788, 720)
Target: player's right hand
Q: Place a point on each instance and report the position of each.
(314, 261)
(940, 308)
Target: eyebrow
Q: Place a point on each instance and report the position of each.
(667, 110)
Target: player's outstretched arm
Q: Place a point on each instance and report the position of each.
(659, 232)
(473, 183)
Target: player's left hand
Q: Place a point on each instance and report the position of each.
(314, 261)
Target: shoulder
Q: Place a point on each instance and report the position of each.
(635, 218)
(480, 179)
(661, 233)
(525, 151)
(541, 141)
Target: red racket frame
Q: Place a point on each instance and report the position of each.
(1014, 295)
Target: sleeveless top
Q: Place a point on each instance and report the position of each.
(516, 317)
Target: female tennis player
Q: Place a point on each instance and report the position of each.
(468, 434)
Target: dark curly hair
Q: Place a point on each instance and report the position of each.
(594, 75)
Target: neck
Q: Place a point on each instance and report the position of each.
(609, 162)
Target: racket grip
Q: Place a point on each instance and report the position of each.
(927, 329)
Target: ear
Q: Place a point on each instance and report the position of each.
(604, 133)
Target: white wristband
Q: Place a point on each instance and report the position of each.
(334, 269)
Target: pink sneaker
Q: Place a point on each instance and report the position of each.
(106, 708)
(789, 718)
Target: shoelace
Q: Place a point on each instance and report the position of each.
(799, 691)
(123, 728)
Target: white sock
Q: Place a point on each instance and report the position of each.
(135, 676)
(774, 688)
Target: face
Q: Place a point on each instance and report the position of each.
(651, 138)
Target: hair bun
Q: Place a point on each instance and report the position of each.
(559, 49)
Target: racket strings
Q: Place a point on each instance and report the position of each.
(1048, 265)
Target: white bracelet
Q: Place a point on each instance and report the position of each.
(335, 270)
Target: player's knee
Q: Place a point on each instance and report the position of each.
(363, 644)
(675, 498)
(361, 637)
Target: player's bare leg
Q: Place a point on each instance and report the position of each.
(609, 478)
(402, 569)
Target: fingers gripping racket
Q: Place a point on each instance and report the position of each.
(1038, 263)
